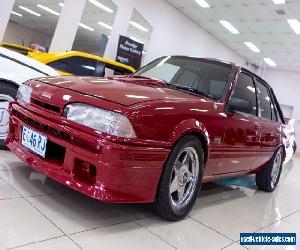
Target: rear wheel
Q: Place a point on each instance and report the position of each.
(269, 178)
(8, 93)
(181, 179)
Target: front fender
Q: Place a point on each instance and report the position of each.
(190, 126)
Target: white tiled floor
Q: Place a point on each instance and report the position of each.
(38, 213)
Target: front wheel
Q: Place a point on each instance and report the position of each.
(180, 180)
(8, 93)
(269, 178)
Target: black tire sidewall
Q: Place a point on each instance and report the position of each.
(9, 89)
(280, 170)
(163, 197)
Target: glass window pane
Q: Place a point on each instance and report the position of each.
(245, 93)
(76, 65)
(207, 77)
(264, 101)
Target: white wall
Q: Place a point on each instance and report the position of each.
(286, 85)
(173, 33)
(16, 33)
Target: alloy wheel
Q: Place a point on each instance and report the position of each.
(276, 168)
(184, 177)
(4, 115)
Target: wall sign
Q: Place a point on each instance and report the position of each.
(130, 52)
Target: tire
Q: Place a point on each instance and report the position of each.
(180, 183)
(294, 147)
(8, 93)
(268, 179)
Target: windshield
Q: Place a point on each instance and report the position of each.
(192, 74)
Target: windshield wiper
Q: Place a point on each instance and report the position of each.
(189, 89)
(142, 77)
(149, 78)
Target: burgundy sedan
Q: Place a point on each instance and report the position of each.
(154, 136)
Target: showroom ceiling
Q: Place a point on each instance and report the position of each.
(260, 22)
(88, 36)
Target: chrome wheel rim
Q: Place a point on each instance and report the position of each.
(4, 115)
(184, 177)
(276, 169)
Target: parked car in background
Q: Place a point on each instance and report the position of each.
(82, 64)
(154, 136)
(15, 70)
(17, 48)
(290, 139)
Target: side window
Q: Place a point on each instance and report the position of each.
(244, 97)
(264, 101)
(76, 65)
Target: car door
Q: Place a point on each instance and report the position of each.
(269, 127)
(241, 136)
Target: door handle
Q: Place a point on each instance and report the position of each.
(256, 127)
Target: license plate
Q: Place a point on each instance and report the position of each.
(34, 141)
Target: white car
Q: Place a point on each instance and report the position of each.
(290, 139)
(15, 69)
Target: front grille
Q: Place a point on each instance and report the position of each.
(45, 105)
(55, 132)
(42, 127)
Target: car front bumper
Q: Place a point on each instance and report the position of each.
(99, 168)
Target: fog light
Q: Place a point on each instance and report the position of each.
(84, 172)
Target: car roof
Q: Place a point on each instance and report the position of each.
(16, 46)
(52, 56)
(21, 59)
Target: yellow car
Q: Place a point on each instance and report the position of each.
(83, 64)
(17, 48)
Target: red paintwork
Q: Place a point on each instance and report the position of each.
(128, 170)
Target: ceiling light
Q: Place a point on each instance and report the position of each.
(29, 11)
(61, 4)
(136, 39)
(138, 26)
(229, 27)
(295, 25)
(86, 27)
(102, 6)
(105, 25)
(16, 13)
(270, 62)
(48, 9)
(202, 3)
(252, 46)
(279, 1)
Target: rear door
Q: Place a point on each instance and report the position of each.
(270, 128)
(241, 139)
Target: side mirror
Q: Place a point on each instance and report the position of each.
(239, 105)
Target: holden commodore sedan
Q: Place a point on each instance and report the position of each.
(154, 136)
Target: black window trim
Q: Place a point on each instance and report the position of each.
(273, 101)
(280, 120)
(246, 72)
(226, 87)
(258, 103)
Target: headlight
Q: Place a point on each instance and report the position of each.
(24, 93)
(100, 119)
